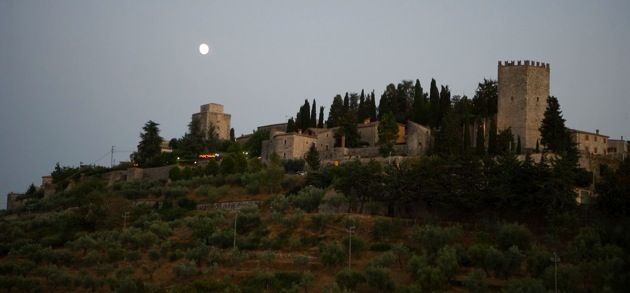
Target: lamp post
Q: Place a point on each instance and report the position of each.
(235, 218)
(350, 232)
(555, 260)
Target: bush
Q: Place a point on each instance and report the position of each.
(349, 279)
(358, 245)
(525, 285)
(379, 278)
(432, 238)
(538, 260)
(174, 192)
(331, 254)
(475, 282)
(384, 229)
(446, 261)
(514, 235)
(308, 199)
(185, 270)
(494, 261)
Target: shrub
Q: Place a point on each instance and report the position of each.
(525, 285)
(358, 245)
(174, 192)
(431, 238)
(301, 261)
(349, 279)
(383, 260)
(475, 282)
(174, 174)
(446, 261)
(279, 203)
(385, 229)
(379, 278)
(308, 199)
(538, 260)
(185, 270)
(331, 254)
(514, 235)
(494, 261)
(321, 220)
(513, 260)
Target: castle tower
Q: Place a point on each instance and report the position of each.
(523, 89)
(212, 114)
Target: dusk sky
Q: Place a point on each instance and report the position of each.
(77, 77)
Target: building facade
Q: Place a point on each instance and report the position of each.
(523, 88)
(589, 142)
(618, 148)
(212, 115)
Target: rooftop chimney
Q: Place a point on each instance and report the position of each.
(596, 131)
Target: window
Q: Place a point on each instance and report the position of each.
(285, 142)
(326, 147)
(586, 149)
(284, 155)
(586, 137)
(595, 150)
(595, 138)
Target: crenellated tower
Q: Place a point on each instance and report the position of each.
(523, 88)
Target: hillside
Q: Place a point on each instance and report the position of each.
(151, 236)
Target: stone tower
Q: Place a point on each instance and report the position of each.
(523, 89)
(212, 114)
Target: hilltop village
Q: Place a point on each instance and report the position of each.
(420, 192)
(522, 92)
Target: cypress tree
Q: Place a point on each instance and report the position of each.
(149, 145)
(312, 157)
(388, 101)
(313, 120)
(346, 103)
(419, 104)
(445, 103)
(335, 113)
(518, 145)
(320, 123)
(363, 112)
(290, 125)
(434, 104)
(387, 133)
(554, 135)
(480, 147)
(492, 137)
(232, 136)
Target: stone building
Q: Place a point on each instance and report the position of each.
(368, 131)
(413, 140)
(589, 142)
(523, 88)
(288, 145)
(212, 115)
(618, 148)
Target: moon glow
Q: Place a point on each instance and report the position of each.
(204, 49)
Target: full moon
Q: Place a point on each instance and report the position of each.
(204, 49)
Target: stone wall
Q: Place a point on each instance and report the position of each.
(418, 139)
(523, 88)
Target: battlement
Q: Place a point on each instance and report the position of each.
(212, 107)
(524, 63)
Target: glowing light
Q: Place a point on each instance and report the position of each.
(204, 49)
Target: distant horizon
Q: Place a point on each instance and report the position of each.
(79, 77)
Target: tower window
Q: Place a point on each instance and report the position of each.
(512, 98)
